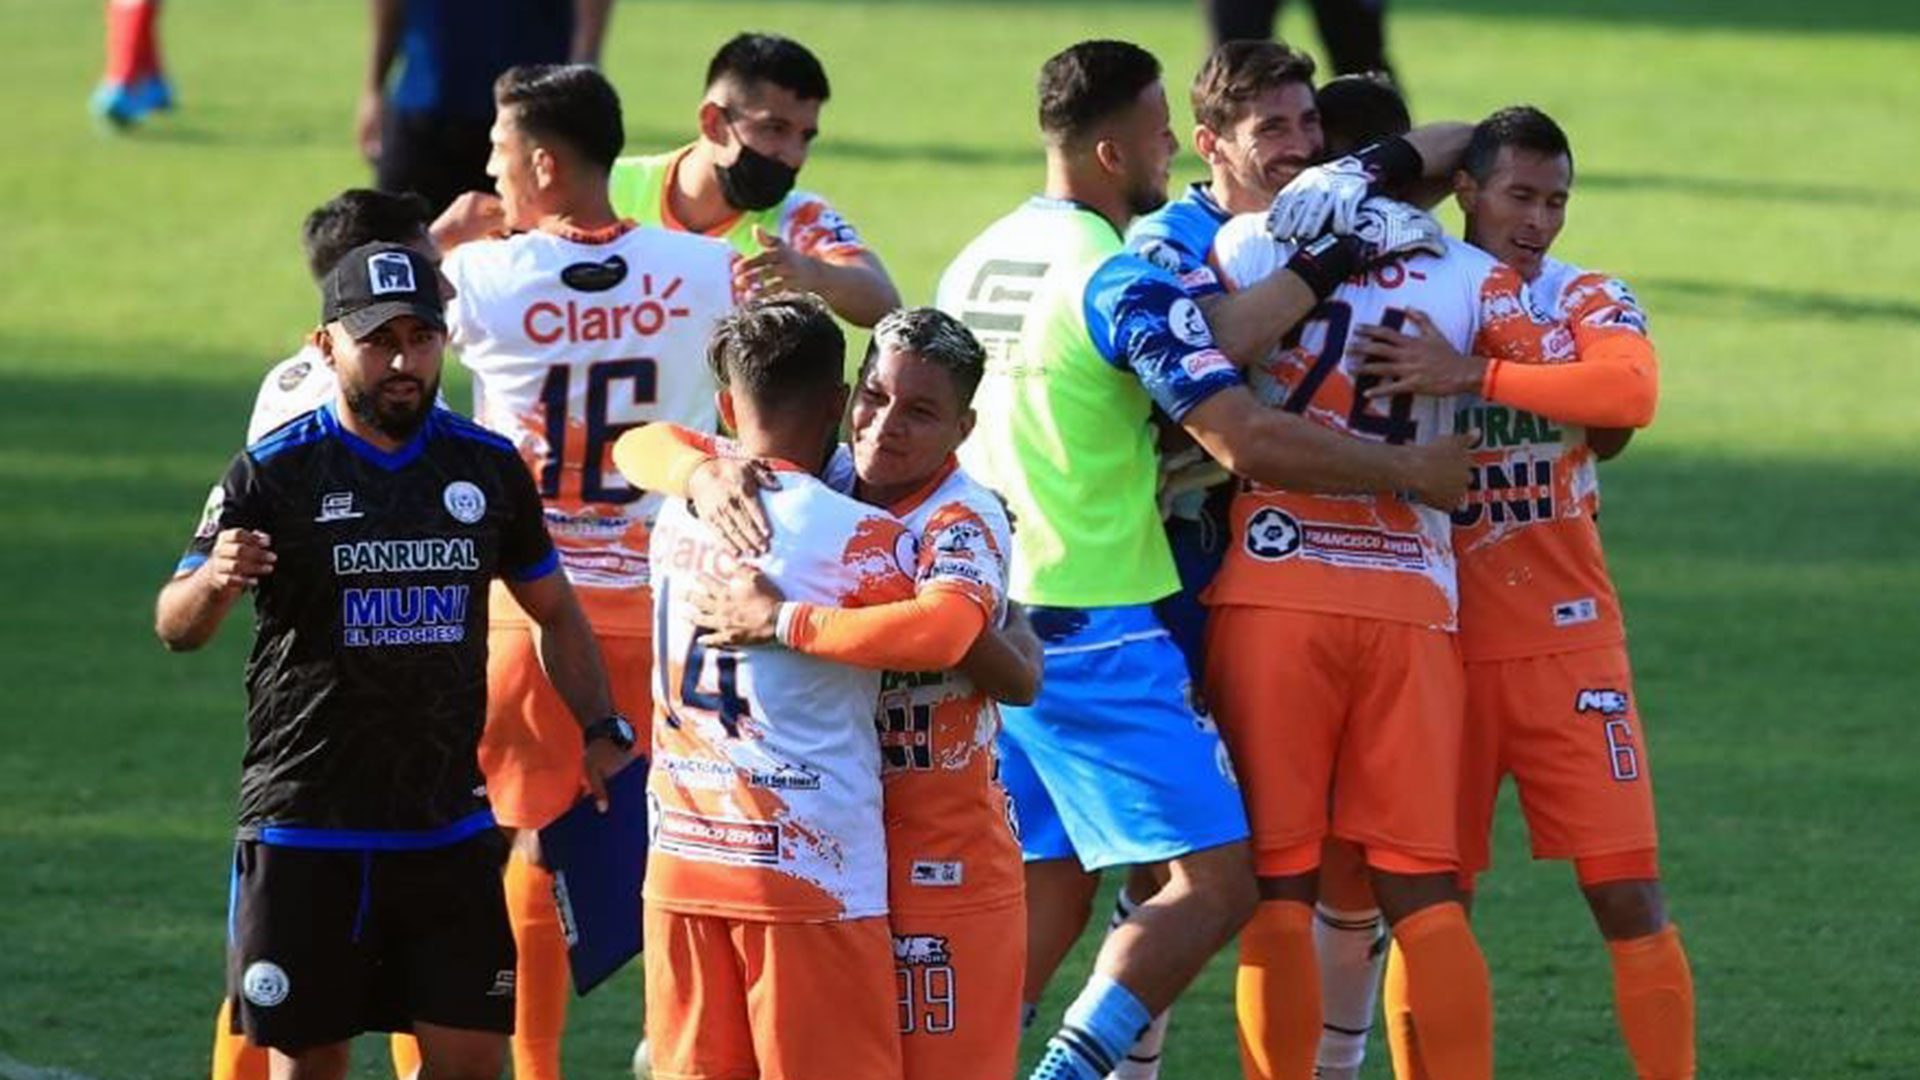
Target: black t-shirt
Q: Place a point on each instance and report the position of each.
(366, 690)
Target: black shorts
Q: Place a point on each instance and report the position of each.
(323, 945)
(438, 156)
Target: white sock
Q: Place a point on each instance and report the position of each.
(1143, 1059)
(1352, 947)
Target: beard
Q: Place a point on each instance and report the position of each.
(1145, 195)
(396, 419)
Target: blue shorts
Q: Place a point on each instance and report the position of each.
(1113, 764)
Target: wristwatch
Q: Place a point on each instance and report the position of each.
(613, 727)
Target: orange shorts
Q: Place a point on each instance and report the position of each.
(1342, 726)
(733, 999)
(958, 980)
(1566, 728)
(530, 751)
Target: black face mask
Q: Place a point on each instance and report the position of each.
(755, 181)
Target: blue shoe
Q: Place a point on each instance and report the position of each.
(153, 93)
(115, 103)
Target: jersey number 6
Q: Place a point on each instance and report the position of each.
(557, 390)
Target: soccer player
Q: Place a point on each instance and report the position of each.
(1361, 592)
(133, 84)
(1112, 765)
(296, 386)
(1354, 31)
(427, 131)
(954, 880)
(366, 872)
(1549, 688)
(577, 328)
(767, 871)
(736, 180)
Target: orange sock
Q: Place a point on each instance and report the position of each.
(540, 982)
(405, 1051)
(1402, 1042)
(1277, 993)
(1448, 992)
(234, 1058)
(1653, 995)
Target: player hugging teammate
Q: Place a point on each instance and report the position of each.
(1396, 598)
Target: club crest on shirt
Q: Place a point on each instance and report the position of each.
(465, 501)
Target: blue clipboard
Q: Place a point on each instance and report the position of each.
(599, 862)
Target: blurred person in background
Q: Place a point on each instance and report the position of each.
(132, 84)
(426, 130)
(1354, 31)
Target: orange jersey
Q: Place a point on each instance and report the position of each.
(573, 340)
(949, 845)
(1533, 579)
(1381, 556)
(765, 786)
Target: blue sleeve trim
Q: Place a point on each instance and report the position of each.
(375, 839)
(462, 428)
(189, 564)
(538, 570)
(303, 429)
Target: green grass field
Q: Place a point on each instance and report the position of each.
(1750, 167)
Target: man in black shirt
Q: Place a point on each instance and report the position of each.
(366, 874)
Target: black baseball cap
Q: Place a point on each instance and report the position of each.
(377, 282)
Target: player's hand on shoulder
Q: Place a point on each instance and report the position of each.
(725, 493)
(1438, 472)
(474, 215)
(1388, 228)
(1321, 198)
(740, 609)
(240, 558)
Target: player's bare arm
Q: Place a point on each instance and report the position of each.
(473, 215)
(1249, 321)
(1608, 443)
(1248, 324)
(192, 606)
(1005, 662)
(571, 658)
(1279, 448)
(589, 30)
(371, 112)
(854, 284)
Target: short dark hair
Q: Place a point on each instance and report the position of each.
(569, 102)
(936, 337)
(359, 216)
(1356, 110)
(781, 348)
(1236, 72)
(782, 61)
(1522, 127)
(1087, 83)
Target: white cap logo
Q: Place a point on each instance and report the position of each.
(389, 272)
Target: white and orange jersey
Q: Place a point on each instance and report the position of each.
(950, 846)
(765, 796)
(1381, 556)
(1533, 579)
(572, 340)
